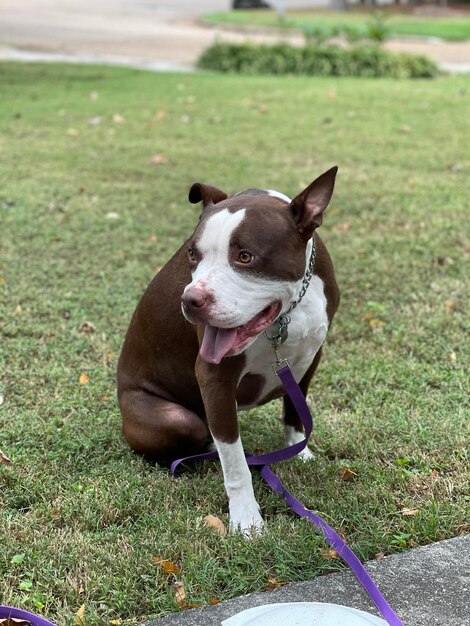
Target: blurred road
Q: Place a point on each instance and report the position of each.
(146, 33)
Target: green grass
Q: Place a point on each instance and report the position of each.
(448, 28)
(82, 517)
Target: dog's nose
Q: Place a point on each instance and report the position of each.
(195, 300)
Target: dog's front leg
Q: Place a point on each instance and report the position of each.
(218, 386)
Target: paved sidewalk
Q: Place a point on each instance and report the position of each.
(148, 33)
(428, 586)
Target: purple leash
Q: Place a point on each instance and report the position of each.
(261, 461)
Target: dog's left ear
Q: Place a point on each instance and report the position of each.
(207, 194)
(307, 208)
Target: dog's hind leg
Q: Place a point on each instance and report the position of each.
(293, 428)
(160, 429)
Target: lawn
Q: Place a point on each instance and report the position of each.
(448, 28)
(95, 168)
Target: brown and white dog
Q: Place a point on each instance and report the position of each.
(195, 350)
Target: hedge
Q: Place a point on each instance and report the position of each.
(328, 60)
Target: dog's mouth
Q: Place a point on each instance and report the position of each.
(220, 342)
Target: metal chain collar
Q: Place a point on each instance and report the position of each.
(284, 319)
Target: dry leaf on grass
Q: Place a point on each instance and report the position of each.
(409, 512)
(158, 159)
(331, 555)
(84, 379)
(450, 305)
(168, 567)
(14, 621)
(179, 594)
(215, 524)
(273, 583)
(80, 616)
(4, 460)
(348, 474)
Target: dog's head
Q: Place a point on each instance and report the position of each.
(247, 257)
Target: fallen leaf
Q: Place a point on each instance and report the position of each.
(14, 621)
(118, 119)
(159, 115)
(84, 379)
(273, 583)
(376, 325)
(116, 622)
(331, 555)
(95, 120)
(453, 357)
(409, 512)
(153, 237)
(215, 523)
(450, 305)
(379, 555)
(112, 215)
(2, 399)
(158, 159)
(72, 132)
(179, 594)
(348, 474)
(214, 601)
(405, 129)
(87, 327)
(80, 616)
(167, 566)
(185, 119)
(4, 460)
(94, 95)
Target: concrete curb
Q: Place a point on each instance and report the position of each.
(428, 586)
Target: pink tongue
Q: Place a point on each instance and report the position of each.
(216, 343)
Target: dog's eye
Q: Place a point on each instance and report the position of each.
(245, 257)
(191, 254)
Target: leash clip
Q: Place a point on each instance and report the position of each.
(279, 364)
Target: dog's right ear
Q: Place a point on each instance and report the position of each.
(207, 194)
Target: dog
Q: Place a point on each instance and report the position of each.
(198, 348)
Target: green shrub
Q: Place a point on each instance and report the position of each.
(378, 29)
(326, 60)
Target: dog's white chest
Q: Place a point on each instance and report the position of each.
(307, 331)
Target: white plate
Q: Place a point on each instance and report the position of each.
(303, 614)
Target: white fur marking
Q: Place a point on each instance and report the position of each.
(278, 194)
(244, 510)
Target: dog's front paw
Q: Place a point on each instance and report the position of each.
(294, 436)
(306, 455)
(246, 518)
